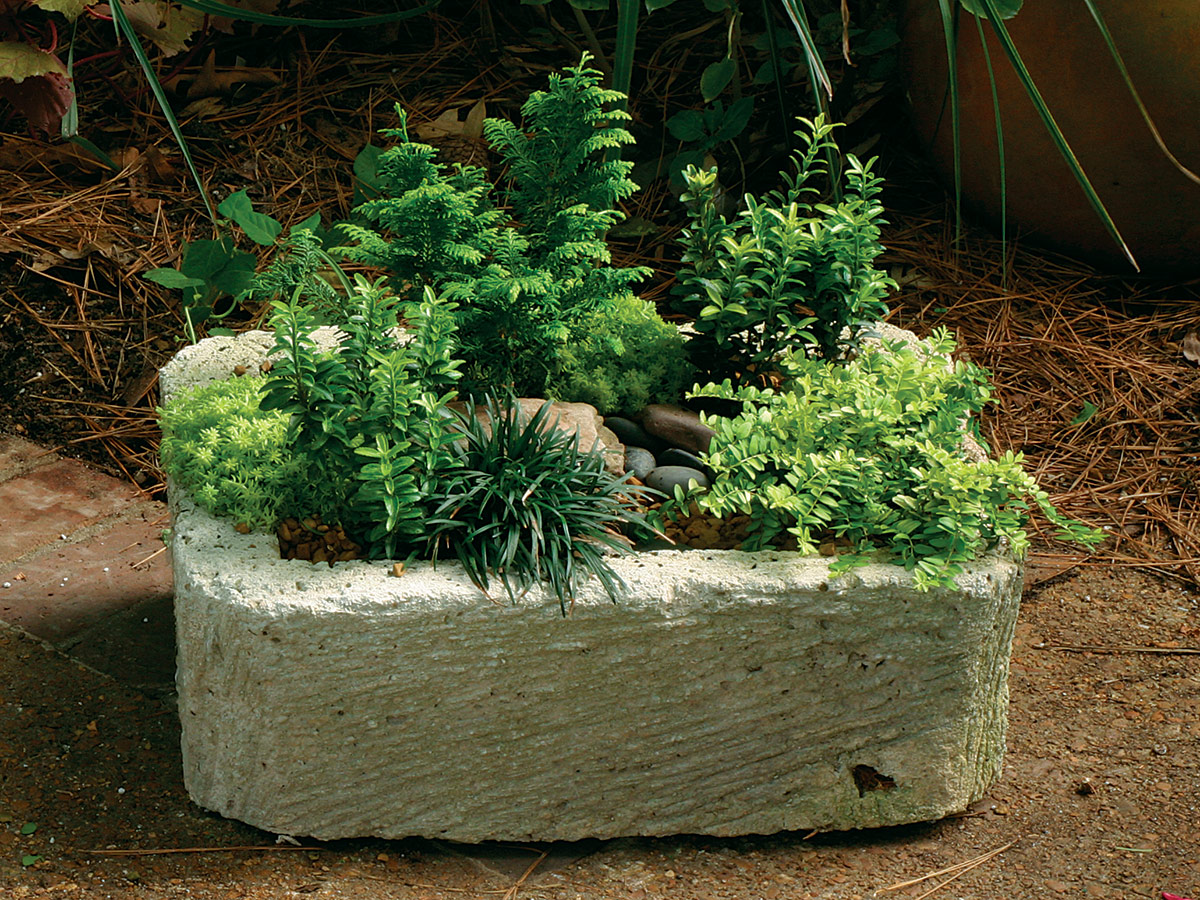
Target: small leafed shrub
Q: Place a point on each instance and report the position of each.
(627, 358)
(368, 420)
(872, 452)
(789, 273)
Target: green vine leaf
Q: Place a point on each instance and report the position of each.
(716, 78)
(259, 227)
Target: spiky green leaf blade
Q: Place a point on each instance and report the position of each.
(812, 55)
(1133, 92)
(627, 26)
(1006, 8)
(950, 31)
(987, 58)
(1056, 135)
(126, 30)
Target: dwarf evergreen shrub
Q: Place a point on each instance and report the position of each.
(526, 262)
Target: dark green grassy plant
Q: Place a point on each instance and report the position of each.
(524, 504)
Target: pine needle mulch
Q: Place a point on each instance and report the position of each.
(1090, 380)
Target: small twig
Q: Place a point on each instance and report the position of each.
(511, 893)
(954, 871)
(148, 558)
(1119, 648)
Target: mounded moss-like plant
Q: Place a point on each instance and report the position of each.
(230, 454)
(524, 504)
(629, 357)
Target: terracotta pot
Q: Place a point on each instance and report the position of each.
(1156, 208)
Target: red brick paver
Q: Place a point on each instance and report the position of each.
(69, 587)
(82, 563)
(56, 499)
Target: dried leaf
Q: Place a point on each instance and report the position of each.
(147, 206)
(1191, 347)
(69, 8)
(205, 106)
(160, 165)
(473, 127)
(106, 248)
(169, 28)
(449, 124)
(210, 82)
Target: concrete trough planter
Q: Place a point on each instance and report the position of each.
(727, 693)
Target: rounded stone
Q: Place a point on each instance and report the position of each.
(677, 426)
(665, 478)
(629, 432)
(676, 457)
(639, 462)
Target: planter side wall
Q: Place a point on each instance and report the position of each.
(727, 693)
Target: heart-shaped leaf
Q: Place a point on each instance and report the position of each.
(716, 78)
(259, 227)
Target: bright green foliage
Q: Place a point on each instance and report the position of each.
(230, 454)
(525, 277)
(524, 504)
(367, 420)
(872, 451)
(304, 269)
(628, 357)
(790, 273)
(564, 188)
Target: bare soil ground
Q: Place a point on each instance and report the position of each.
(1098, 797)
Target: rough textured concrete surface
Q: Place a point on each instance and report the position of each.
(726, 693)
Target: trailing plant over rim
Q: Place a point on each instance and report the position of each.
(872, 452)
